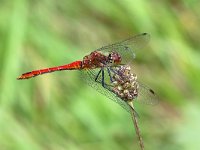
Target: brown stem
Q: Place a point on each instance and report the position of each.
(137, 129)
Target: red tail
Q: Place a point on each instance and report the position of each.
(72, 66)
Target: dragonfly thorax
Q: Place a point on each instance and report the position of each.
(98, 59)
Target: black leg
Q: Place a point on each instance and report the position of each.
(98, 74)
(102, 81)
(103, 77)
(109, 73)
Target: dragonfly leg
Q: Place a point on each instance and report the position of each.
(109, 73)
(102, 81)
(98, 74)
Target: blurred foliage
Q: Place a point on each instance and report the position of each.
(58, 111)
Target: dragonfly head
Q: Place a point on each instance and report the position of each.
(114, 58)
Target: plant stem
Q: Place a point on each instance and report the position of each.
(137, 129)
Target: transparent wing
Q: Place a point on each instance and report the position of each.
(146, 95)
(89, 77)
(127, 48)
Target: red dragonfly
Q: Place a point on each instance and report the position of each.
(99, 67)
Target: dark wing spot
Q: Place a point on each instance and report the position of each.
(150, 90)
(144, 34)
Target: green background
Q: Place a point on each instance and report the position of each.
(59, 112)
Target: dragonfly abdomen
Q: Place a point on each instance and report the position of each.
(72, 66)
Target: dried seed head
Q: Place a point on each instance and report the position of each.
(126, 91)
(115, 83)
(135, 76)
(126, 72)
(121, 95)
(128, 67)
(116, 77)
(119, 87)
(129, 97)
(125, 84)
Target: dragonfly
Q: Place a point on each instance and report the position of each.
(105, 68)
(98, 66)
